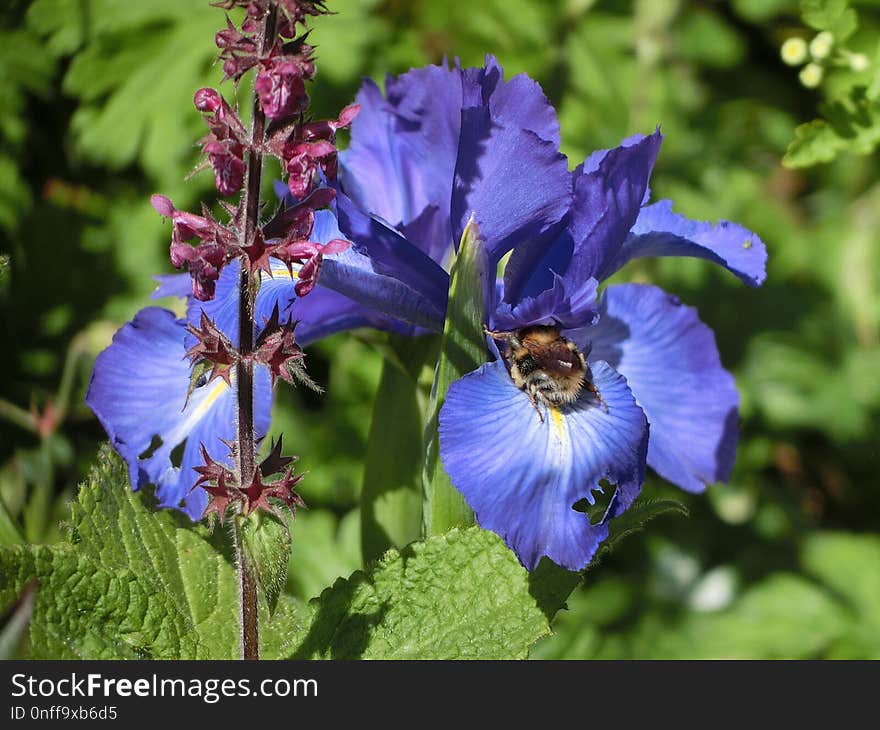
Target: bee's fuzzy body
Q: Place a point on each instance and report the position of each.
(548, 367)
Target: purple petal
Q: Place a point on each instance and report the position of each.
(403, 149)
(325, 312)
(352, 275)
(660, 232)
(557, 305)
(609, 189)
(510, 177)
(670, 360)
(321, 313)
(392, 256)
(522, 476)
(519, 101)
(138, 392)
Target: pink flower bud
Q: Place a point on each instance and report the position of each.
(207, 101)
(162, 205)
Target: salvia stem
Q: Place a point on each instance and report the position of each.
(250, 633)
(246, 450)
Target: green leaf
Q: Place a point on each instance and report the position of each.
(851, 125)
(324, 549)
(850, 566)
(9, 532)
(462, 595)
(391, 496)
(640, 513)
(134, 62)
(832, 15)
(462, 349)
(84, 611)
(266, 540)
(135, 582)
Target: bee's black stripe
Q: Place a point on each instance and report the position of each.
(527, 365)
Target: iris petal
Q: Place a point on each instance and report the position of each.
(660, 232)
(321, 313)
(403, 150)
(353, 275)
(172, 285)
(558, 305)
(138, 391)
(391, 255)
(324, 312)
(519, 100)
(223, 308)
(609, 189)
(670, 360)
(522, 476)
(510, 177)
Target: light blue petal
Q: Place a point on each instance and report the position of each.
(138, 392)
(670, 360)
(172, 285)
(522, 476)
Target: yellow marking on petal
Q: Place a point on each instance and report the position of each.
(204, 405)
(558, 422)
(748, 243)
(279, 271)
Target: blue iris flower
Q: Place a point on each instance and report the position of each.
(446, 143)
(653, 361)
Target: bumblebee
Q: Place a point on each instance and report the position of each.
(548, 367)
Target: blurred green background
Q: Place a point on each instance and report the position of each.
(782, 562)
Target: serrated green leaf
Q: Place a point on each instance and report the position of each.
(135, 582)
(462, 349)
(851, 125)
(462, 595)
(640, 513)
(84, 611)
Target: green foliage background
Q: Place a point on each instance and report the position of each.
(782, 562)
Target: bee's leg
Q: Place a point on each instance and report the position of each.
(500, 336)
(533, 398)
(595, 391)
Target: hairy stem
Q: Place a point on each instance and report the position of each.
(247, 588)
(246, 450)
